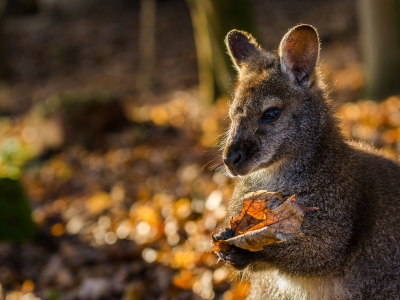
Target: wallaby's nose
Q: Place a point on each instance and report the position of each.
(233, 158)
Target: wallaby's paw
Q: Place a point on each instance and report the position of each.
(236, 257)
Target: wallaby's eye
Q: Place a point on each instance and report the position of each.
(271, 114)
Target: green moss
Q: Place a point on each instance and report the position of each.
(15, 213)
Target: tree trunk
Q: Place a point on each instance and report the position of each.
(380, 32)
(4, 68)
(211, 21)
(146, 44)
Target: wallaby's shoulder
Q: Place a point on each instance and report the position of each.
(368, 151)
(378, 173)
(374, 160)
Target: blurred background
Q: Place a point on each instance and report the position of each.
(110, 117)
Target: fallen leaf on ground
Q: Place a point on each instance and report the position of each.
(258, 226)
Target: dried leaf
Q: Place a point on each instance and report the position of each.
(254, 210)
(257, 226)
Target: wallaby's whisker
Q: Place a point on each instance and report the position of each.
(213, 161)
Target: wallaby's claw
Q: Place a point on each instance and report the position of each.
(237, 258)
(222, 235)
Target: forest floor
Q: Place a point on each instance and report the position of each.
(120, 182)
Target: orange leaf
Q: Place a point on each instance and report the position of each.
(257, 226)
(254, 211)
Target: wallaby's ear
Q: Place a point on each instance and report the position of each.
(299, 51)
(241, 45)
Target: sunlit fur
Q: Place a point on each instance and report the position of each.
(350, 247)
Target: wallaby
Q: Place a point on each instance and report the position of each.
(285, 137)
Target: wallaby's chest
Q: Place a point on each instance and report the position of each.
(275, 183)
(279, 286)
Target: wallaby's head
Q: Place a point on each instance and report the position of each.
(277, 105)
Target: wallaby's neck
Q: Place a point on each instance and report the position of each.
(324, 150)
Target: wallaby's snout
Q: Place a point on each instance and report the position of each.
(233, 159)
(242, 148)
(236, 155)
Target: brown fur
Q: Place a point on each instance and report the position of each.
(350, 247)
